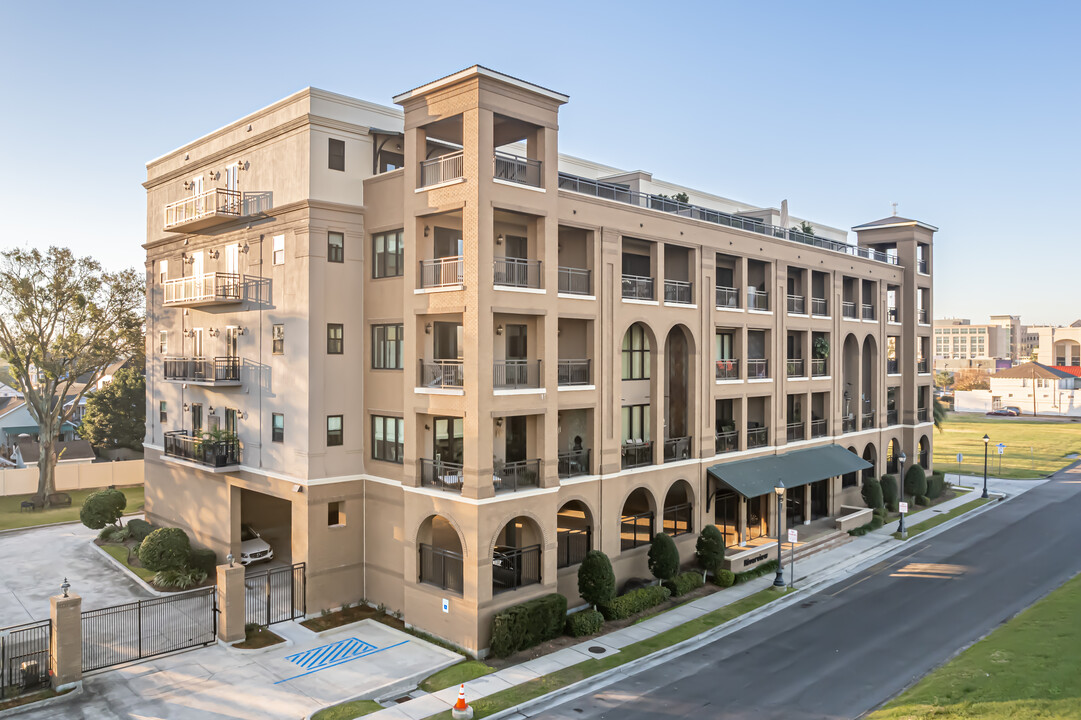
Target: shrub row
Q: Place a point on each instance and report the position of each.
(876, 522)
(584, 623)
(528, 624)
(765, 568)
(936, 485)
(889, 491)
(635, 602)
(684, 582)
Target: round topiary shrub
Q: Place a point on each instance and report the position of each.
(663, 557)
(596, 579)
(102, 508)
(165, 549)
(586, 622)
(923, 500)
(724, 578)
(710, 548)
(872, 493)
(139, 529)
(915, 481)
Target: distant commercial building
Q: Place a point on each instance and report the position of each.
(1059, 346)
(1033, 388)
(960, 345)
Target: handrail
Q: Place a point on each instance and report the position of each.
(636, 287)
(575, 281)
(757, 437)
(517, 169)
(572, 463)
(201, 369)
(207, 287)
(794, 367)
(216, 201)
(443, 475)
(678, 291)
(512, 476)
(637, 454)
(517, 272)
(442, 373)
(819, 428)
(819, 307)
(728, 369)
(441, 272)
(727, 297)
(727, 441)
(441, 169)
(757, 299)
(819, 367)
(797, 304)
(516, 374)
(573, 372)
(757, 368)
(677, 448)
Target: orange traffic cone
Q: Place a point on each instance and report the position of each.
(461, 711)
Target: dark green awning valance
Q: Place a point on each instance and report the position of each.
(751, 478)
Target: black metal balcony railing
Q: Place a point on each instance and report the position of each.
(922, 366)
(867, 420)
(572, 546)
(728, 369)
(678, 291)
(637, 455)
(921, 266)
(727, 297)
(677, 519)
(727, 441)
(573, 372)
(925, 316)
(848, 310)
(441, 272)
(518, 475)
(922, 415)
(573, 463)
(797, 304)
(819, 428)
(442, 475)
(517, 272)
(441, 169)
(757, 437)
(620, 193)
(868, 312)
(636, 287)
(795, 431)
(513, 568)
(794, 368)
(757, 369)
(442, 568)
(892, 366)
(820, 307)
(819, 367)
(516, 374)
(849, 424)
(442, 373)
(757, 300)
(891, 417)
(678, 448)
(516, 169)
(202, 450)
(635, 530)
(218, 369)
(574, 281)
(893, 315)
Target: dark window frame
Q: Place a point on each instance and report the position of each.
(381, 268)
(163, 411)
(335, 252)
(336, 154)
(277, 339)
(336, 513)
(336, 438)
(335, 345)
(277, 434)
(641, 353)
(380, 340)
(379, 447)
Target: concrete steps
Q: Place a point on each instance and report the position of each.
(829, 541)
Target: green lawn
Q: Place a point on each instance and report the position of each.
(1034, 449)
(1028, 668)
(939, 519)
(12, 517)
(455, 675)
(348, 711)
(120, 552)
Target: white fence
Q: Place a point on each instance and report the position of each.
(78, 476)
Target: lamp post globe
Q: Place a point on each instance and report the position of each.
(986, 443)
(901, 493)
(778, 582)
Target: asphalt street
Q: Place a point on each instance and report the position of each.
(850, 647)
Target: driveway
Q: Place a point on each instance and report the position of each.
(36, 561)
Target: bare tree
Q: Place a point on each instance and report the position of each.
(63, 320)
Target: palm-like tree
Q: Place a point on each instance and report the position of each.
(938, 413)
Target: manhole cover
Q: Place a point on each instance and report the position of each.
(597, 650)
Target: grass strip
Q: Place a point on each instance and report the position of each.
(348, 710)
(567, 676)
(22, 700)
(1028, 668)
(12, 516)
(120, 553)
(939, 519)
(455, 675)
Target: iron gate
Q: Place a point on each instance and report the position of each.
(274, 595)
(146, 628)
(24, 657)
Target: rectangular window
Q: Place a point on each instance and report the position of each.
(279, 249)
(335, 338)
(336, 154)
(336, 514)
(635, 423)
(163, 271)
(388, 438)
(636, 354)
(163, 414)
(163, 342)
(334, 430)
(277, 427)
(387, 254)
(387, 347)
(230, 421)
(335, 247)
(278, 335)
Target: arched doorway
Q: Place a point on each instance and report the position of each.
(677, 391)
(637, 521)
(924, 450)
(870, 454)
(440, 554)
(868, 400)
(850, 408)
(574, 533)
(678, 510)
(851, 479)
(516, 557)
(893, 450)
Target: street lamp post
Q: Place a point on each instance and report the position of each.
(901, 493)
(986, 441)
(778, 582)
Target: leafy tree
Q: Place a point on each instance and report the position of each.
(116, 415)
(663, 557)
(943, 379)
(710, 549)
(974, 379)
(682, 197)
(102, 508)
(63, 320)
(596, 579)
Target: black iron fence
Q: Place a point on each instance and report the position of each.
(573, 463)
(572, 546)
(757, 437)
(794, 367)
(848, 310)
(205, 451)
(757, 368)
(819, 307)
(24, 657)
(728, 369)
(218, 369)
(274, 594)
(868, 312)
(797, 304)
(442, 568)
(795, 432)
(517, 169)
(515, 374)
(819, 367)
(513, 568)
(442, 475)
(727, 297)
(441, 272)
(677, 519)
(727, 441)
(574, 281)
(819, 428)
(519, 475)
(637, 455)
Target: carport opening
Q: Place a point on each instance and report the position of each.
(272, 519)
(516, 557)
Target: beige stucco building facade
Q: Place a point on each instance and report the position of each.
(437, 360)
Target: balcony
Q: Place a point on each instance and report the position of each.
(441, 475)
(213, 372)
(757, 369)
(637, 454)
(727, 441)
(849, 310)
(921, 266)
(922, 366)
(575, 281)
(728, 369)
(441, 272)
(892, 417)
(757, 300)
(441, 568)
(441, 374)
(819, 367)
(727, 297)
(678, 291)
(795, 431)
(678, 448)
(213, 288)
(848, 424)
(893, 315)
(820, 307)
(922, 415)
(868, 312)
(867, 420)
(515, 169)
(442, 169)
(202, 451)
(892, 366)
(516, 374)
(757, 437)
(573, 372)
(572, 546)
(797, 305)
(519, 475)
(925, 317)
(204, 210)
(794, 368)
(819, 429)
(573, 463)
(636, 287)
(517, 272)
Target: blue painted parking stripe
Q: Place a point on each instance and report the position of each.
(342, 662)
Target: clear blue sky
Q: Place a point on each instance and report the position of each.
(965, 114)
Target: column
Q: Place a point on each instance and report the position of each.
(66, 640)
(230, 603)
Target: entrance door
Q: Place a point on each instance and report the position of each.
(793, 505)
(820, 499)
(448, 439)
(232, 335)
(232, 259)
(197, 343)
(197, 419)
(516, 438)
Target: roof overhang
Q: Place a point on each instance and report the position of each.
(480, 71)
(904, 223)
(759, 476)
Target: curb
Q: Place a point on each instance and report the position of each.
(129, 573)
(29, 707)
(398, 686)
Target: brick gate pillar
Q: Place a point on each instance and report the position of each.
(66, 640)
(230, 603)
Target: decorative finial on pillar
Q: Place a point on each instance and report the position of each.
(64, 587)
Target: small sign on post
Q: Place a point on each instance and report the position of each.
(1001, 448)
(959, 458)
(793, 537)
(904, 507)
(446, 605)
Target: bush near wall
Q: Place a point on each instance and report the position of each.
(684, 583)
(584, 623)
(764, 569)
(889, 491)
(724, 578)
(871, 491)
(203, 560)
(528, 624)
(635, 602)
(915, 481)
(139, 529)
(936, 485)
(165, 549)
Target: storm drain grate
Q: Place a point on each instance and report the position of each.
(597, 650)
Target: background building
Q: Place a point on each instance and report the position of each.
(960, 345)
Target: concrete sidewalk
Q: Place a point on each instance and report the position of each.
(817, 569)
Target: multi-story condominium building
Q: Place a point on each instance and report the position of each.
(443, 360)
(961, 345)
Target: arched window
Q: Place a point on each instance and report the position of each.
(440, 561)
(925, 452)
(574, 533)
(678, 510)
(636, 522)
(636, 353)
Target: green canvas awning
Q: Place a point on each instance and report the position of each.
(751, 478)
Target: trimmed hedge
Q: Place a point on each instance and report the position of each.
(684, 583)
(915, 481)
(877, 521)
(765, 568)
(724, 578)
(528, 624)
(586, 622)
(203, 560)
(635, 602)
(923, 500)
(165, 549)
(139, 529)
(872, 493)
(936, 485)
(889, 491)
